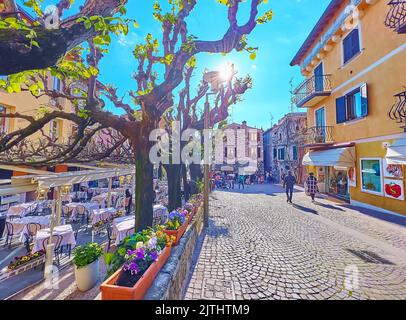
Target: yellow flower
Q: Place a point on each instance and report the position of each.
(177, 225)
(139, 245)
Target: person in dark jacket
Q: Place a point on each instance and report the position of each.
(289, 183)
(128, 201)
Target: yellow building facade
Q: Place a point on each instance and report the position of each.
(25, 103)
(355, 69)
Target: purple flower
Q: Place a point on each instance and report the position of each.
(140, 254)
(134, 268)
(154, 255)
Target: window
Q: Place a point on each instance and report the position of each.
(351, 45)
(294, 151)
(56, 84)
(281, 154)
(352, 106)
(275, 153)
(259, 153)
(225, 152)
(2, 120)
(371, 174)
(54, 130)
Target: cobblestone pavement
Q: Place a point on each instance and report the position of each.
(260, 247)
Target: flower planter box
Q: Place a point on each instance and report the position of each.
(6, 273)
(178, 233)
(112, 292)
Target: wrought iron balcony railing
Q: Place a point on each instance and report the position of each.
(314, 87)
(319, 135)
(398, 110)
(396, 17)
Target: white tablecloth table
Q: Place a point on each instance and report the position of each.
(160, 213)
(22, 209)
(76, 208)
(101, 199)
(20, 225)
(66, 231)
(121, 226)
(102, 214)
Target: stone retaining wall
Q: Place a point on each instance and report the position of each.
(171, 282)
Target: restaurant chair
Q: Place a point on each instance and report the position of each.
(32, 229)
(9, 234)
(110, 237)
(157, 217)
(56, 240)
(130, 232)
(76, 228)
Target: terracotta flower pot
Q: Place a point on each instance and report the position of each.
(112, 292)
(178, 233)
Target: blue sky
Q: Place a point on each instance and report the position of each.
(278, 41)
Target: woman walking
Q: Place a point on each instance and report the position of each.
(311, 186)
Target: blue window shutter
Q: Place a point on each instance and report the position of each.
(340, 110)
(355, 42)
(347, 43)
(364, 100)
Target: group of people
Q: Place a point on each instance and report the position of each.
(229, 181)
(311, 186)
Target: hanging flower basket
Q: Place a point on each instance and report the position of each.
(111, 291)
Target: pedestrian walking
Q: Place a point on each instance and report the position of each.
(128, 201)
(312, 186)
(289, 183)
(241, 182)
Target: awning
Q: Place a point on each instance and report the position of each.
(227, 169)
(396, 153)
(338, 157)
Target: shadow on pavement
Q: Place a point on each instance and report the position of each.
(305, 209)
(392, 218)
(329, 206)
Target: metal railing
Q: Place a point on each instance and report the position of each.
(319, 135)
(398, 110)
(312, 86)
(396, 16)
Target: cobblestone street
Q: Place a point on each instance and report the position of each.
(260, 247)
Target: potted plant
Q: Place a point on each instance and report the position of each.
(135, 264)
(176, 225)
(86, 261)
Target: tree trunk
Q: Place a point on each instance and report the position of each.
(195, 175)
(186, 186)
(144, 192)
(173, 172)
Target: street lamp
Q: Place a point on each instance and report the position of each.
(215, 79)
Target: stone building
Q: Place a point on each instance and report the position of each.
(285, 146)
(250, 145)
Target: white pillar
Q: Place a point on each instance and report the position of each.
(109, 193)
(58, 205)
(50, 247)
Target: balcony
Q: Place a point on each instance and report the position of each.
(396, 17)
(312, 91)
(319, 136)
(398, 111)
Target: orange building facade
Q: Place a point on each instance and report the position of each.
(355, 69)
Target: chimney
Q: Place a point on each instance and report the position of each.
(244, 124)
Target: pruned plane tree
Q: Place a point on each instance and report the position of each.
(161, 66)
